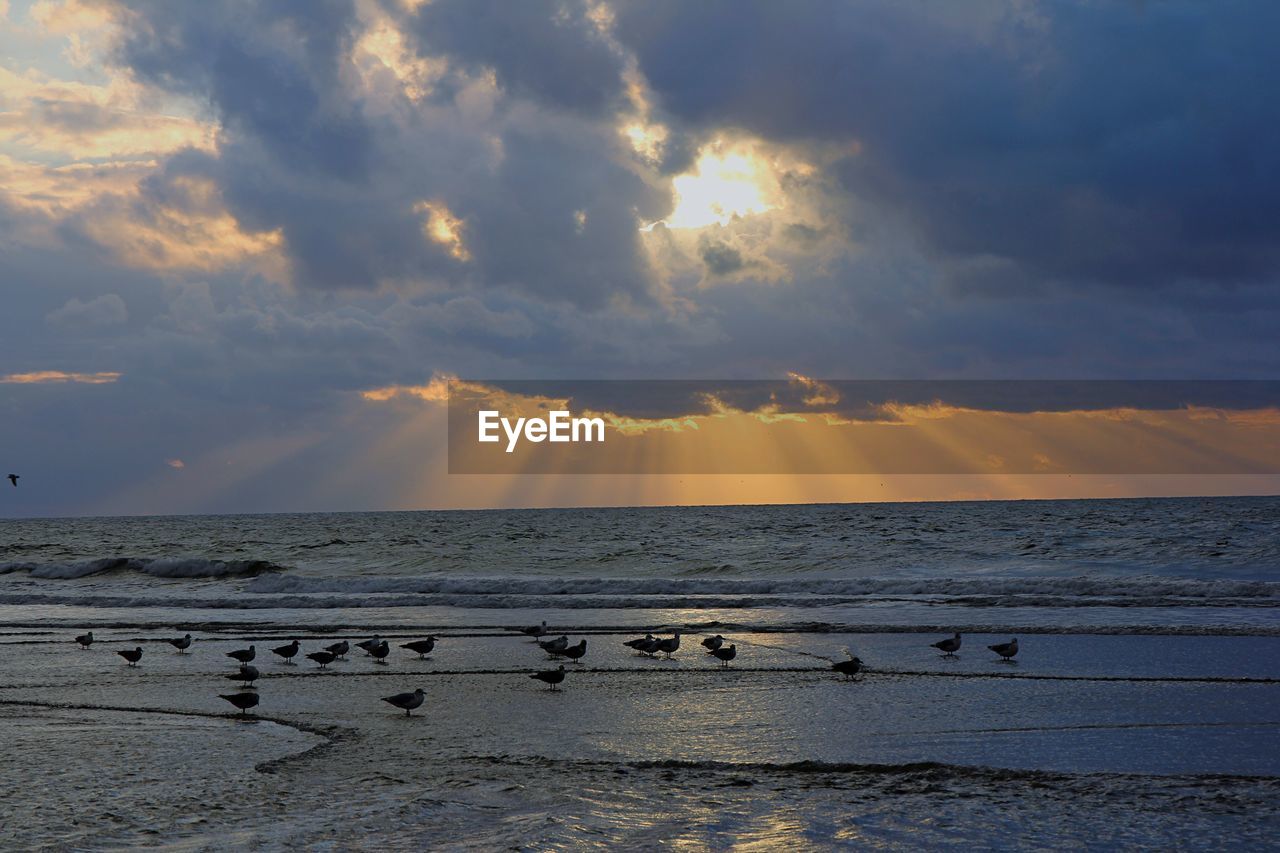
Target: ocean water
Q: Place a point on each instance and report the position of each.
(1143, 708)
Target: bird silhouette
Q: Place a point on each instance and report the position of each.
(848, 668)
(85, 640)
(13, 478)
(181, 643)
(323, 658)
(243, 701)
(551, 677)
(949, 646)
(131, 655)
(243, 655)
(339, 649)
(406, 701)
(421, 647)
(724, 655)
(1006, 650)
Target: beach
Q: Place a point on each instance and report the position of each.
(1139, 710)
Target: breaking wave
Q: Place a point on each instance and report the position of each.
(196, 568)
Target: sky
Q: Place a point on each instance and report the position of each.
(241, 242)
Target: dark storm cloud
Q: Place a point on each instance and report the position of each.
(546, 207)
(550, 52)
(1134, 144)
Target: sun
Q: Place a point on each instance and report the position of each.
(725, 184)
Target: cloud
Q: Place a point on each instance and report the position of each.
(57, 377)
(107, 310)
(1007, 131)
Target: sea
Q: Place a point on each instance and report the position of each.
(1142, 709)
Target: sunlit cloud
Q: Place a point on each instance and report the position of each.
(54, 377)
(727, 182)
(442, 227)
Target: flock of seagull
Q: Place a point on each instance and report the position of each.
(558, 648)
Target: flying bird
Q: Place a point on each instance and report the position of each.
(550, 676)
(949, 646)
(535, 631)
(287, 652)
(85, 640)
(181, 643)
(1006, 650)
(131, 655)
(848, 668)
(713, 643)
(247, 674)
(406, 701)
(724, 655)
(243, 655)
(339, 650)
(13, 478)
(380, 652)
(669, 645)
(323, 658)
(421, 647)
(243, 701)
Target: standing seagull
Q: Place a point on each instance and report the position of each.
(724, 655)
(949, 646)
(573, 653)
(713, 643)
(535, 631)
(406, 701)
(848, 668)
(339, 650)
(553, 647)
(421, 647)
(640, 643)
(550, 676)
(181, 643)
(287, 652)
(247, 674)
(380, 652)
(243, 701)
(1006, 650)
(243, 655)
(85, 640)
(13, 478)
(669, 645)
(131, 655)
(323, 658)
(368, 645)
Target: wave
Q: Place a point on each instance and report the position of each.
(195, 568)
(1147, 588)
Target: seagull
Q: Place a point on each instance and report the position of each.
(243, 701)
(85, 640)
(247, 674)
(535, 631)
(13, 478)
(422, 647)
(669, 645)
(573, 653)
(287, 652)
(131, 655)
(323, 658)
(550, 676)
(368, 645)
(1006, 650)
(339, 650)
(243, 655)
(724, 655)
(848, 668)
(713, 643)
(406, 701)
(181, 643)
(380, 652)
(649, 646)
(639, 643)
(555, 646)
(949, 646)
